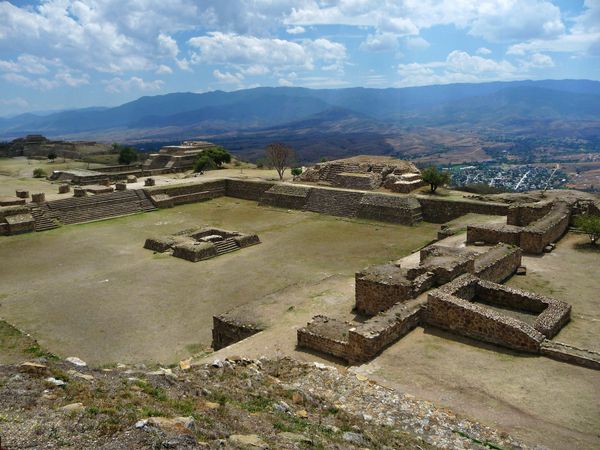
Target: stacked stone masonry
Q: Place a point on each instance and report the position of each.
(200, 244)
(227, 331)
(531, 227)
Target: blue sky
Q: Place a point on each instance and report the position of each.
(58, 54)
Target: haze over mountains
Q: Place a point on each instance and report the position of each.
(260, 115)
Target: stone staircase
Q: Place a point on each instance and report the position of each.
(334, 202)
(43, 220)
(333, 170)
(88, 209)
(226, 246)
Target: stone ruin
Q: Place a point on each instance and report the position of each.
(366, 173)
(200, 244)
(531, 226)
(16, 219)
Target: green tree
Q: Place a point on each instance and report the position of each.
(296, 171)
(127, 155)
(218, 154)
(204, 162)
(435, 177)
(51, 156)
(589, 224)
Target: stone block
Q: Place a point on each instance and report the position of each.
(38, 198)
(22, 193)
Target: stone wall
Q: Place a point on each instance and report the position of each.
(325, 335)
(379, 287)
(360, 181)
(440, 210)
(227, 331)
(453, 313)
(334, 202)
(494, 233)
(246, 189)
(522, 215)
(498, 263)
(549, 228)
(368, 340)
(552, 314)
(405, 210)
(167, 197)
(289, 196)
(533, 237)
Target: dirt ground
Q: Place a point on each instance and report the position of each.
(533, 398)
(92, 291)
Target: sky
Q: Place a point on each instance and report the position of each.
(63, 54)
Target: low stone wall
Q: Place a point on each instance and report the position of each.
(440, 210)
(325, 335)
(447, 311)
(167, 197)
(522, 215)
(572, 355)
(552, 314)
(227, 331)
(379, 287)
(498, 263)
(6, 211)
(287, 196)
(20, 223)
(246, 189)
(360, 181)
(334, 202)
(195, 251)
(405, 210)
(368, 340)
(247, 240)
(532, 238)
(549, 228)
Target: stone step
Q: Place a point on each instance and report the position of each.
(226, 246)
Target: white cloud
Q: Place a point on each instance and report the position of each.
(164, 70)
(483, 51)
(538, 61)
(255, 70)
(458, 67)
(237, 50)
(15, 103)
(117, 85)
(284, 82)
(227, 77)
(167, 45)
(582, 39)
(295, 30)
(417, 43)
(380, 42)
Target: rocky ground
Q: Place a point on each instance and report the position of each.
(234, 403)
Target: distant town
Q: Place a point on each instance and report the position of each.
(508, 178)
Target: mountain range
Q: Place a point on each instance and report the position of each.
(290, 113)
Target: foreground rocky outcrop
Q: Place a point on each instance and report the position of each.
(235, 403)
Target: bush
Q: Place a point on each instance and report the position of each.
(590, 225)
(435, 177)
(296, 171)
(127, 155)
(39, 173)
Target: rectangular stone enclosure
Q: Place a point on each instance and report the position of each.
(200, 244)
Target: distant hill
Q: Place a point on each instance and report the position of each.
(184, 113)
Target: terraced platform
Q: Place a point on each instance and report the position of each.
(89, 209)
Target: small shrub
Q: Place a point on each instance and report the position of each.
(590, 225)
(39, 173)
(296, 171)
